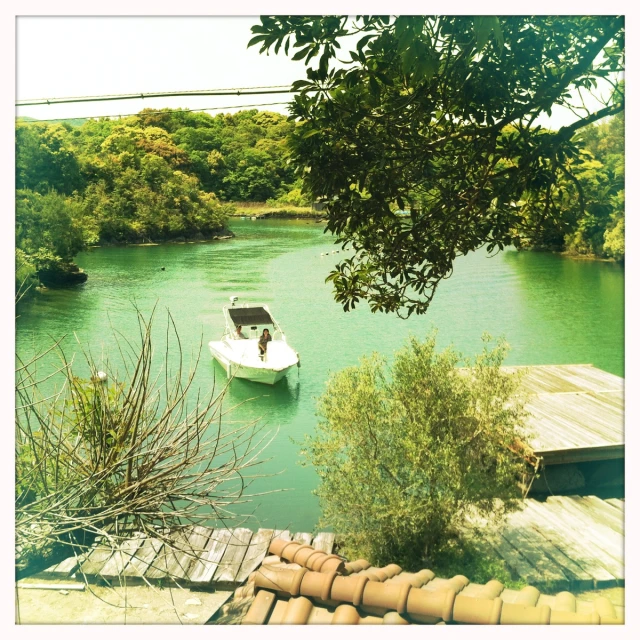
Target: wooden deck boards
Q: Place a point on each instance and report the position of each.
(121, 557)
(205, 567)
(143, 558)
(568, 378)
(175, 558)
(201, 557)
(567, 542)
(257, 550)
(233, 556)
(303, 538)
(577, 413)
(65, 568)
(324, 541)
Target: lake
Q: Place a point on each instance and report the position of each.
(551, 309)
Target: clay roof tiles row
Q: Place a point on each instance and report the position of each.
(300, 585)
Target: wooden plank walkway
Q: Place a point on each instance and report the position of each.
(564, 543)
(577, 413)
(196, 557)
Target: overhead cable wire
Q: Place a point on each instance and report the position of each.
(247, 91)
(117, 95)
(126, 115)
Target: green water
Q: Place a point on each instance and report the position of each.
(552, 310)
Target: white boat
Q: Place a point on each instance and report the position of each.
(240, 355)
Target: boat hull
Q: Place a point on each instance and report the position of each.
(262, 373)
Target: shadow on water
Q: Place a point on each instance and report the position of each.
(277, 405)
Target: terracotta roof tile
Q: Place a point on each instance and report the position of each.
(261, 607)
(528, 596)
(306, 556)
(295, 587)
(415, 579)
(457, 584)
(356, 566)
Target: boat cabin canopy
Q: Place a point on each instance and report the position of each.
(250, 316)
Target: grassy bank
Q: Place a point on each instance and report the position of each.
(264, 210)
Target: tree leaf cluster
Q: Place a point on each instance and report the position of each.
(436, 116)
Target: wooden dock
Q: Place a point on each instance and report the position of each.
(577, 413)
(197, 557)
(564, 543)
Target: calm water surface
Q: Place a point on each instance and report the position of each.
(552, 310)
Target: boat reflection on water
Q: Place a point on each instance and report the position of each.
(260, 401)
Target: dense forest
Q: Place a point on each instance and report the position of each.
(171, 175)
(156, 176)
(595, 226)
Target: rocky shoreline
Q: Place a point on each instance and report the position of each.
(222, 234)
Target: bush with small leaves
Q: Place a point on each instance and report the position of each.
(403, 452)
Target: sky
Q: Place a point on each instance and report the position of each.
(79, 56)
(72, 56)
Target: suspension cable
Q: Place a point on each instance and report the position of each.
(246, 91)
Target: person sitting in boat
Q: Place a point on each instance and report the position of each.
(262, 343)
(239, 334)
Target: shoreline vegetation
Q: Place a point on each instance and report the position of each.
(255, 211)
(267, 210)
(180, 177)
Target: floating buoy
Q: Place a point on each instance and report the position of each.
(162, 268)
(100, 376)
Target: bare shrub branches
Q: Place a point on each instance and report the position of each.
(143, 452)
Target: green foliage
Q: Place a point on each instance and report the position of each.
(143, 192)
(240, 157)
(462, 556)
(45, 158)
(435, 115)
(49, 222)
(599, 230)
(49, 233)
(295, 197)
(614, 235)
(402, 453)
(585, 205)
(26, 279)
